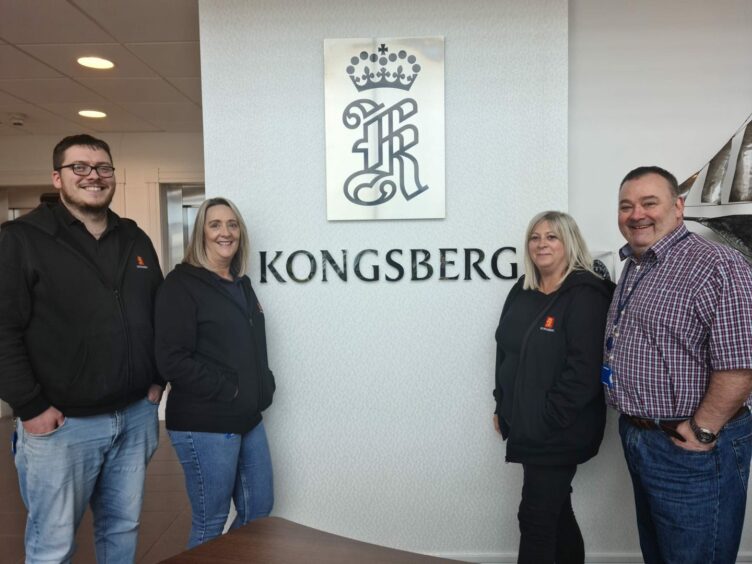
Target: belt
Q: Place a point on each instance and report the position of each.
(669, 426)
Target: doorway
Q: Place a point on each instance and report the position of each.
(179, 204)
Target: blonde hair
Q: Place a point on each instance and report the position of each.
(576, 251)
(195, 253)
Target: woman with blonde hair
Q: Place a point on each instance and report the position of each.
(211, 347)
(549, 399)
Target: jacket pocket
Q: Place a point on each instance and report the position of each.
(144, 366)
(223, 383)
(268, 386)
(529, 425)
(99, 371)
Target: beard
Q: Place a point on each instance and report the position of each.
(87, 208)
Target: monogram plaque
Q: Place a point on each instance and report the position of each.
(384, 128)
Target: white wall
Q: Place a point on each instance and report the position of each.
(141, 160)
(381, 427)
(663, 83)
(650, 82)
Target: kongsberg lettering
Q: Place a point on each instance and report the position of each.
(394, 265)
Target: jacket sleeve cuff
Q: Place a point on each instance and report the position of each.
(31, 409)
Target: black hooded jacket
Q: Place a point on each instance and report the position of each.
(558, 412)
(213, 353)
(68, 337)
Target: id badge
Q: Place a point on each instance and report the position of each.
(607, 376)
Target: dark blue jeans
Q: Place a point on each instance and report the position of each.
(690, 505)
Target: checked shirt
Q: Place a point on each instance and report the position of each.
(688, 313)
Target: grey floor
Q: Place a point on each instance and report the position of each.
(165, 520)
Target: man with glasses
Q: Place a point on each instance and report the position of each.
(77, 286)
(678, 366)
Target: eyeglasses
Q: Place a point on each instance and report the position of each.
(81, 169)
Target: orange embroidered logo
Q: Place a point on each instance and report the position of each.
(140, 262)
(549, 324)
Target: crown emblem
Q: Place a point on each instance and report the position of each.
(381, 70)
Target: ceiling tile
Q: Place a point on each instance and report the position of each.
(64, 57)
(15, 64)
(37, 120)
(117, 119)
(37, 90)
(187, 127)
(6, 99)
(171, 59)
(48, 21)
(165, 113)
(191, 87)
(142, 21)
(7, 131)
(155, 47)
(134, 89)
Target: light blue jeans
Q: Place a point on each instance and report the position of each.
(690, 505)
(219, 467)
(99, 460)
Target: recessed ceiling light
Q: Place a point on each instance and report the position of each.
(92, 114)
(95, 63)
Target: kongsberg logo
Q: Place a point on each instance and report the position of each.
(386, 137)
(548, 324)
(140, 263)
(390, 75)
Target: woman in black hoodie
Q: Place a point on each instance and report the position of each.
(211, 347)
(549, 399)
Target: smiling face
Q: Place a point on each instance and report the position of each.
(547, 251)
(648, 211)
(221, 236)
(84, 194)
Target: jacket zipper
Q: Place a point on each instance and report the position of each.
(118, 300)
(127, 247)
(523, 349)
(124, 321)
(251, 304)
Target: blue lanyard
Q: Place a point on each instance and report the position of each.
(622, 303)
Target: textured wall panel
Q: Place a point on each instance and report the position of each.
(381, 427)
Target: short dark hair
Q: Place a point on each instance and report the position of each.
(81, 139)
(641, 171)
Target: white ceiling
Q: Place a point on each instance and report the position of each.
(154, 87)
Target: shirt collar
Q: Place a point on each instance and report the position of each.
(67, 218)
(236, 280)
(659, 250)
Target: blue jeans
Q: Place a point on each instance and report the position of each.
(219, 467)
(690, 505)
(99, 460)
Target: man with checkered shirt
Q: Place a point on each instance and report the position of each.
(678, 367)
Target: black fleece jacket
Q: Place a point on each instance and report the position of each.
(558, 412)
(212, 352)
(68, 338)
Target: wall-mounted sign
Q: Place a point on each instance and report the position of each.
(384, 128)
(395, 265)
